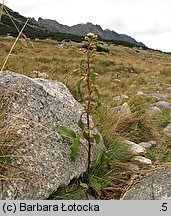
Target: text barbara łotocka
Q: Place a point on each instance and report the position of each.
(38, 207)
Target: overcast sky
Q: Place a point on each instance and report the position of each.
(148, 21)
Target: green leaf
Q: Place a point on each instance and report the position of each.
(99, 98)
(93, 78)
(101, 54)
(67, 132)
(75, 147)
(94, 69)
(97, 138)
(84, 185)
(81, 124)
(78, 84)
(82, 62)
(94, 183)
(135, 126)
(78, 87)
(85, 135)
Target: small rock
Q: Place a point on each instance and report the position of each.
(158, 96)
(155, 95)
(134, 168)
(139, 93)
(135, 148)
(19, 132)
(144, 88)
(163, 104)
(120, 97)
(152, 142)
(169, 89)
(145, 144)
(159, 88)
(10, 37)
(62, 46)
(167, 130)
(143, 160)
(117, 80)
(153, 110)
(125, 108)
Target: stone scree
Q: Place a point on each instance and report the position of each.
(39, 106)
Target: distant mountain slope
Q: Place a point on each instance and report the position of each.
(83, 29)
(46, 28)
(52, 25)
(32, 30)
(7, 26)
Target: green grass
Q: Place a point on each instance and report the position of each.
(109, 171)
(161, 153)
(76, 194)
(162, 119)
(166, 73)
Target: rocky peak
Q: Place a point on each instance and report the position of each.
(83, 29)
(51, 25)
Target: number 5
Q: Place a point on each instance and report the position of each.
(164, 207)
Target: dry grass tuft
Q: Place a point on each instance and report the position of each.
(6, 60)
(9, 141)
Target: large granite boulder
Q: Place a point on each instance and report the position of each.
(156, 186)
(38, 107)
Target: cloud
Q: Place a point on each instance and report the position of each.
(155, 30)
(160, 41)
(118, 25)
(24, 6)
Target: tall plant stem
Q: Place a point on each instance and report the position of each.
(88, 108)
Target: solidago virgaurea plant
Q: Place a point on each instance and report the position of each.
(88, 95)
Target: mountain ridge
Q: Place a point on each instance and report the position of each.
(32, 29)
(47, 28)
(83, 29)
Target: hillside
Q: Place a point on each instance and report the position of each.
(136, 80)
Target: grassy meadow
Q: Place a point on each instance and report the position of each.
(124, 71)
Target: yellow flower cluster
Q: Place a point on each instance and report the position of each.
(91, 36)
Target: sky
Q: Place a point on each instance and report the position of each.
(148, 21)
